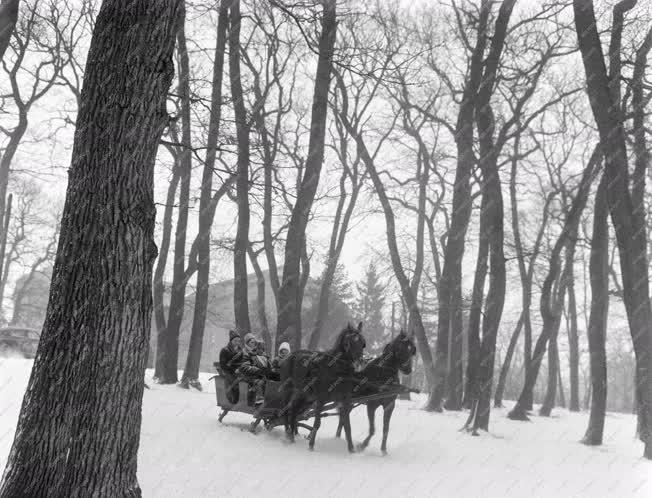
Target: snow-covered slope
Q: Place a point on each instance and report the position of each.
(184, 452)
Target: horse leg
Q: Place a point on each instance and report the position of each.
(254, 425)
(313, 433)
(387, 415)
(345, 412)
(371, 414)
(340, 424)
(289, 417)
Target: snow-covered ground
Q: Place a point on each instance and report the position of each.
(185, 452)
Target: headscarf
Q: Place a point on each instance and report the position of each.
(233, 335)
(248, 337)
(284, 345)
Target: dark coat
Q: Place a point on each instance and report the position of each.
(276, 368)
(231, 359)
(254, 365)
(276, 363)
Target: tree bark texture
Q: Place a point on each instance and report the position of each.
(79, 427)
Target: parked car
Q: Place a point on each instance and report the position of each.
(19, 341)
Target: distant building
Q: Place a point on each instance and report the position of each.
(34, 301)
(30, 299)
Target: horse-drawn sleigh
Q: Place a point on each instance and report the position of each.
(271, 412)
(313, 384)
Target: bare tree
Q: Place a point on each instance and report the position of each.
(451, 276)
(207, 206)
(40, 76)
(491, 221)
(597, 329)
(526, 267)
(550, 301)
(343, 214)
(289, 309)
(240, 282)
(84, 444)
(627, 219)
(167, 351)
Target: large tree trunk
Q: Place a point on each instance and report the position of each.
(629, 224)
(170, 358)
(240, 280)
(8, 18)
(493, 224)
(206, 214)
(597, 329)
(475, 316)
(494, 301)
(451, 276)
(289, 309)
(73, 440)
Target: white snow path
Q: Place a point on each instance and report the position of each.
(184, 452)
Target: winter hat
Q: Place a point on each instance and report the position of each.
(284, 345)
(232, 335)
(249, 336)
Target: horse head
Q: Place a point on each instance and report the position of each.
(350, 345)
(403, 349)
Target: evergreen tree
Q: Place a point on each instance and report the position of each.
(369, 307)
(339, 309)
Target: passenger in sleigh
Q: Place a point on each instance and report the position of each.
(255, 368)
(283, 353)
(231, 357)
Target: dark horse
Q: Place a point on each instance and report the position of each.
(381, 374)
(309, 377)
